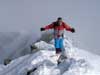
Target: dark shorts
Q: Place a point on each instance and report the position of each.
(58, 50)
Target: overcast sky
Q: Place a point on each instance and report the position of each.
(30, 15)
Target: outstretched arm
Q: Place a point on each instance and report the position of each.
(68, 28)
(50, 26)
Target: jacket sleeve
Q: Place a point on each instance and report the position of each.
(50, 26)
(67, 27)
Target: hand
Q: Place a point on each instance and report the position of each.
(73, 30)
(42, 29)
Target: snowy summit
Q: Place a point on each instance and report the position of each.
(43, 62)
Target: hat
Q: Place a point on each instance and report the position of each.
(59, 18)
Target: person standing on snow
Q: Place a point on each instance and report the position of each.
(58, 27)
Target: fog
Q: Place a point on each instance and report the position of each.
(30, 15)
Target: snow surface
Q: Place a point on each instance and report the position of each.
(15, 44)
(79, 62)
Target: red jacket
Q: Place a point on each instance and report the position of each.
(61, 27)
(58, 30)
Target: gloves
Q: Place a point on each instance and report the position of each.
(73, 30)
(42, 29)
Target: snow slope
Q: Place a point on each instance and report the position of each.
(15, 44)
(79, 62)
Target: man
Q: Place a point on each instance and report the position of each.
(58, 27)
